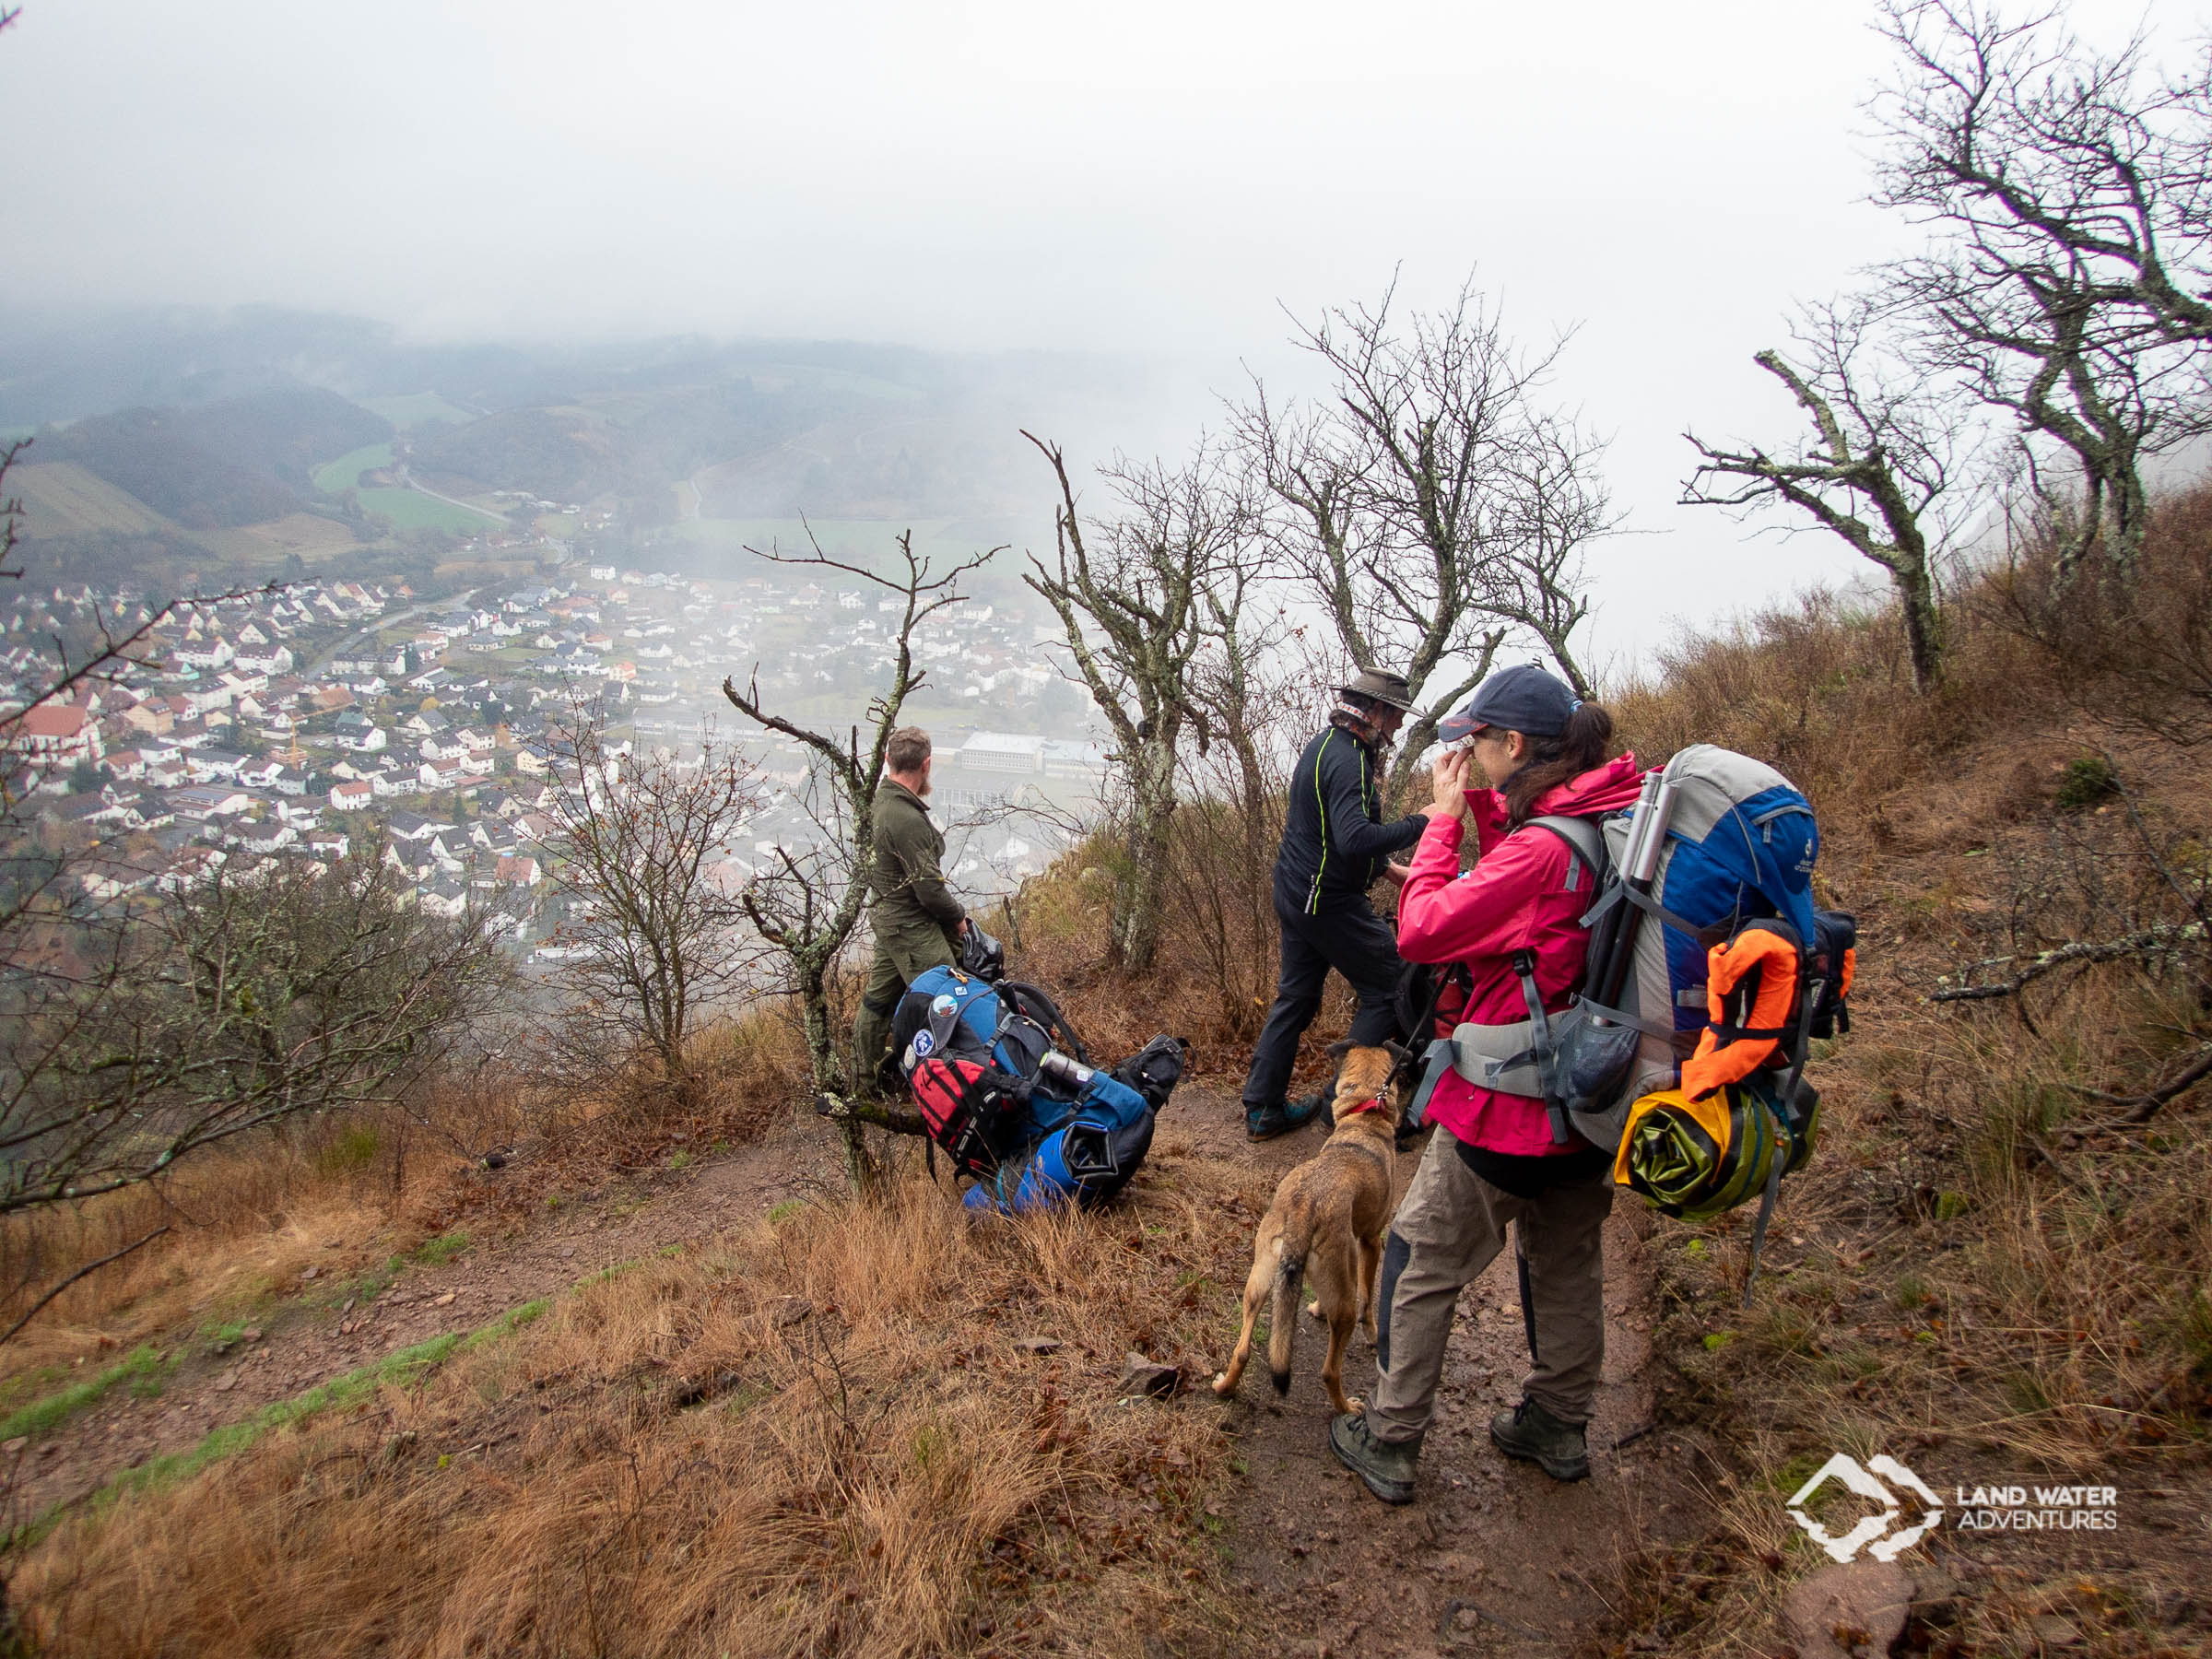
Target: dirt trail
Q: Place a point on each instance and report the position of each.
(1493, 1556)
(303, 1341)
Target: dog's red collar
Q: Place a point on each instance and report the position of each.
(1375, 1104)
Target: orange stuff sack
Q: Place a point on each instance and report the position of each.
(1751, 988)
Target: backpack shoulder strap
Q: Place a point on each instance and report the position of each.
(1586, 843)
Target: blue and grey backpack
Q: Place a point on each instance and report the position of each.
(1008, 1094)
(1704, 914)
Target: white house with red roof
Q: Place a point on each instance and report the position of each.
(64, 732)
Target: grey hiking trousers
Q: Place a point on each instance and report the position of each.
(1448, 1229)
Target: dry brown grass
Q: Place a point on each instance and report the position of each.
(746, 1072)
(242, 1217)
(870, 1463)
(1971, 1274)
(342, 1193)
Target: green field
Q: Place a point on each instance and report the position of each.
(336, 477)
(411, 510)
(417, 409)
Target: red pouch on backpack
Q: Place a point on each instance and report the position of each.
(967, 1107)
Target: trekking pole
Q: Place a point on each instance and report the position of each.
(1654, 810)
(1418, 1040)
(1528, 1303)
(1608, 927)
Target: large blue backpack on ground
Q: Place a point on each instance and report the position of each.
(1007, 1093)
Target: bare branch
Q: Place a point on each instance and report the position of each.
(2145, 945)
(2143, 1107)
(90, 1267)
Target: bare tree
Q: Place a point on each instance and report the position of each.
(1404, 504)
(1556, 504)
(2042, 153)
(1137, 610)
(637, 842)
(1252, 693)
(135, 1036)
(2098, 393)
(808, 905)
(2071, 280)
(1877, 469)
(1235, 679)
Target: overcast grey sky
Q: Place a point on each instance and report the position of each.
(1151, 176)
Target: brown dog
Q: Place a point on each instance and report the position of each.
(1326, 1224)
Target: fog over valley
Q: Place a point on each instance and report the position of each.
(979, 180)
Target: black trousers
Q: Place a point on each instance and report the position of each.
(1348, 936)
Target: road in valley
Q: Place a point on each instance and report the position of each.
(407, 480)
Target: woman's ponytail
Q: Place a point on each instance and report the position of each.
(1585, 745)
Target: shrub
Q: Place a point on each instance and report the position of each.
(353, 1149)
(2088, 780)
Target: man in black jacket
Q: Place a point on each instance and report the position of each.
(1334, 846)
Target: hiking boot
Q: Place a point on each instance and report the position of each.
(1531, 1432)
(1265, 1122)
(1386, 1469)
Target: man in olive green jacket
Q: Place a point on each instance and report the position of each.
(918, 922)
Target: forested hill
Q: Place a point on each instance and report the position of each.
(216, 419)
(242, 461)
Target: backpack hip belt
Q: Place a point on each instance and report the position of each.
(1512, 1060)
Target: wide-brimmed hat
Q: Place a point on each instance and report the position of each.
(1383, 686)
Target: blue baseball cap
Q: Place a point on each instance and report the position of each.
(1520, 698)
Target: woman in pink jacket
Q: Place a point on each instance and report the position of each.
(1493, 1160)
